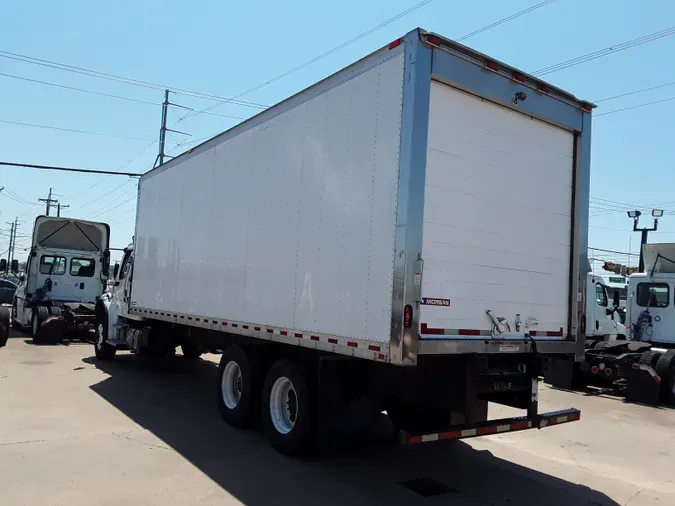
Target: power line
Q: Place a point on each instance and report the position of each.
(108, 95)
(72, 130)
(121, 79)
(70, 169)
(97, 199)
(505, 20)
(639, 106)
(319, 57)
(670, 83)
(604, 52)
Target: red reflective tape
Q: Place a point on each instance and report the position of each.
(381, 356)
(352, 344)
(175, 316)
(414, 440)
(314, 338)
(235, 325)
(483, 431)
(429, 330)
(206, 321)
(270, 331)
(283, 333)
(256, 328)
(520, 426)
(298, 335)
(244, 326)
(372, 347)
(332, 341)
(450, 435)
(224, 323)
(189, 317)
(469, 332)
(197, 319)
(162, 314)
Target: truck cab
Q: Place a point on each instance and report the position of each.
(651, 304)
(603, 311)
(65, 273)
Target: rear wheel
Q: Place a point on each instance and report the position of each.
(239, 387)
(290, 410)
(665, 368)
(650, 358)
(4, 325)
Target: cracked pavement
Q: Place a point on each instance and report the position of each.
(77, 432)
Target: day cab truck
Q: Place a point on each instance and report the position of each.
(65, 276)
(407, 233)
(644, 362)
(603, 311)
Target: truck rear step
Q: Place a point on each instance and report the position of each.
(495, 427)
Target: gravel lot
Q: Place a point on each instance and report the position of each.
(77, 432)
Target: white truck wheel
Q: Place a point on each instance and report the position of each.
(290, 410)
(239, 386)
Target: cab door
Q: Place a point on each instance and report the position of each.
(654, 299)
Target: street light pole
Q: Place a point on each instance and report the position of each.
(656, 214)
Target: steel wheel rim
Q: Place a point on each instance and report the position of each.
(231, 385)
(283, 405)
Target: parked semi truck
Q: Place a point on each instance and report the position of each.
(603, 311)
(645, 362)
(65, 276)
(408, 231)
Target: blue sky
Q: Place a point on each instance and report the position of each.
(224, 48)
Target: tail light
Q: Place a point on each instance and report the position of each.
(407, 316)
(608, 372)
(595, 369)
(582, 324)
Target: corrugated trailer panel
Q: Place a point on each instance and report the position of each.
(289, 223)
(497, 216)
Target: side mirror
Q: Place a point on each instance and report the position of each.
(617, 300)
(610, 311)
(116, 270)
(15, 266)
(3, 264)
(105, 263)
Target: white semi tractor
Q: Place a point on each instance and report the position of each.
(382, 236)
(65, 275)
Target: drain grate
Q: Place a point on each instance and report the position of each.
(426, 487)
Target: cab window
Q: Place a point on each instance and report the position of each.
(601, 295)
(82, 267)
(52, 265)
(653, 295)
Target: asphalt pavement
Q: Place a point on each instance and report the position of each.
(74, 431)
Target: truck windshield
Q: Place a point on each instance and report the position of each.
(57, 265)
(82, 267)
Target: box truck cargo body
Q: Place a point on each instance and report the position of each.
(425, 204)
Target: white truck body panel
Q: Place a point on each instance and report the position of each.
(290, 223)
(497, 217)
(325, 221)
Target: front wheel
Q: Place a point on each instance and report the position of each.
(102, 349)
(290, 410)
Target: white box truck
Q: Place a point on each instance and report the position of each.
(408, 231)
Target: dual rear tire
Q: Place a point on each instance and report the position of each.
(281, 399)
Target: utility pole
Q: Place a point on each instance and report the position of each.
(656, 214)
(12, 242)
(163, 129)
(59, 206)
(49, 202)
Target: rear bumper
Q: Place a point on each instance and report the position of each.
(500, 426)
(491, 346)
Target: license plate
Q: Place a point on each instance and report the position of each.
(502, 386)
